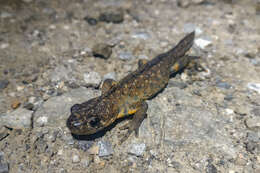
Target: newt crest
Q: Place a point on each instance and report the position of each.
(128, 96)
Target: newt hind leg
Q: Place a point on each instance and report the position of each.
(134, 124)
(183, 62)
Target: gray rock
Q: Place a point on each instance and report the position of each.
(179, 119)
(56, 110)
(102, 50)
(141, 35)
(18, 119)
(190, 27)
(253, 122)
(256, 111)
(111, 75)
(62, 73)
(92, 79)
(223, 85)
(4, 168)
(137, 149)
(253, 136)
(105, 149)
(126, 55)
(3, 84)
(112, 15)
(178, 84)
(1, 156)
(4, 14)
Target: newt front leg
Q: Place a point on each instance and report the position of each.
(134, 124)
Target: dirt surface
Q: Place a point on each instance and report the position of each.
(54, 54)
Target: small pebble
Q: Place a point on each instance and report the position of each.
(86, 162)
(211, 168)
(254, 87)
(114, 16)
(85, 145)
(203, 42)
(223, 85)
(28, 106)
(91, 20)
(4, 45)
(42, 121)
(3, 84)
(126, 55)
(102, 50)
(111, 75)
(137, 149)
(75, 159)
(253, 122)
(141, 35)
(105, 149)
(94, 149)
(229, 111)
(92, 79)
(143, 57)
(15, 104)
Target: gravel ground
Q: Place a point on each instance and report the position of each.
(57, 53)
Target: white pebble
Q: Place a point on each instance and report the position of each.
(202, 43)
(254, 86)
(75, 159)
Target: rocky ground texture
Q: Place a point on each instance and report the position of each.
(57, 53)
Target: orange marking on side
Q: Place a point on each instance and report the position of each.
(122, 113)
(176, 67)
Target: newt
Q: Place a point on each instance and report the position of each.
(128, 96)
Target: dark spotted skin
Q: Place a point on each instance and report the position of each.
(128, 96)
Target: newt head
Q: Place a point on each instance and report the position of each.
(83, 120)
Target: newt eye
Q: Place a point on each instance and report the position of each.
(94, 121)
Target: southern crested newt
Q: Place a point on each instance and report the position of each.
(126, 97)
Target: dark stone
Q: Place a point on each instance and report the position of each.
(211, 168)
(115, 16)
(102, 50)
(84, 145)
(3, 84)
(252, 147)
(28, 106)
(228, 97)
(91, 20)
